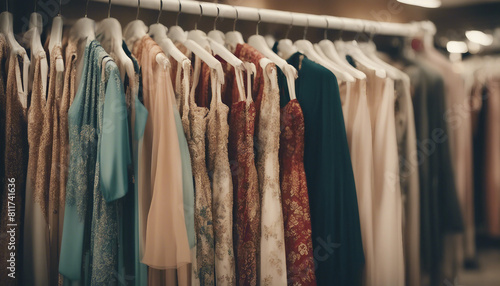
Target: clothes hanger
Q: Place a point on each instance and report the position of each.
(233, 38)
(215, 34)
(7, 28)
(327, 47)
(135, 31)
(159, 33)
(370, 50)
(217, 49)
(56, 37)
(352, 49)
(84, 28)
(259, 43)
(109, 32)
(306, 47)
(285, 46)
(35, 44)
(177, 34)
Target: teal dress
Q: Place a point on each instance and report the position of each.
(336, 233)
(97, 174)
(131, 269)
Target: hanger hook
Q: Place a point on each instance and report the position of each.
(201, 15)
(307, 26)
(34, 2)
(109, 8)
(178, 13)
(258, 22)
(7, 5)
(138, 8)
(216, 17)
(325, 33)
(60, 8)
(289, 26)
(341, 28)
(235, 19)
(159, 12)
(86, 8)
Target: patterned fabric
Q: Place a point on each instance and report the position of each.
(222, 186)
(15, 167)
(205, 256)
(297, 217)
(265, 93)
(246, 192)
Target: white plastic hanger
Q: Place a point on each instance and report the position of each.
(159, 33)
(306, 47)
(36, 47)
(328, 49)
(233, 38)
(178, 34)
(109, 32)
(260, 44)
(7, 28)
(285, 46)
(215, 34)
(56, 37)
(84, 28)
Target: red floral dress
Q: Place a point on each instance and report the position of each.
(295, 199)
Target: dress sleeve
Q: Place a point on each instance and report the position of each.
(115, 149)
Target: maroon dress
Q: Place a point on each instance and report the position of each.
(295, 199)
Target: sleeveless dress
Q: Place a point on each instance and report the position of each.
(265, 93)
(296, 213)
(35, 216)
(222, 186)
(247, 212)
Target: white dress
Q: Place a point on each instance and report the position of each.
(386, 195)
(359, 137)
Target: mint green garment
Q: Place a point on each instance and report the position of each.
(187, 180)
(99, 159)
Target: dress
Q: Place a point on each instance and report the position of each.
(265, 94)
(164, 240)
(386, 194)
(197, 117)
(15, 168)
(330, 181)
(296, 213)
(222, 187)
(246, 197)
(99, 157)
(359, 136)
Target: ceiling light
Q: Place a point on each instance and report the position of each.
(479, 37)
(456, 47)
(423, 3)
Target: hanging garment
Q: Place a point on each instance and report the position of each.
(246, 197)
(265, 94)
(129, 225)
(335, 224)
(222, 187)
(197, 115)
(439, 208)
(386, 195)
(296, 213)
(408, 178)
(99, 156)
(3, 79)
(165, 243)
(359, 137)
(15, 169)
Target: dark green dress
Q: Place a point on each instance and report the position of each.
(336, 233)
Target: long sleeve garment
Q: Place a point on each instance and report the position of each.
(335, 223)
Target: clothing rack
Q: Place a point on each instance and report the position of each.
(282, 17)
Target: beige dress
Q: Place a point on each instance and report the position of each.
(36, 229)
(164, 243)
(222, 187)
(359, 137)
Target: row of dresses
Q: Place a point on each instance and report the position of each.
(173, 174)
